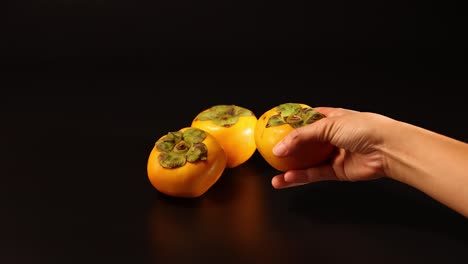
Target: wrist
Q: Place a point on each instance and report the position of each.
(397, 138)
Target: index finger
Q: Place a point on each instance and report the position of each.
(333, 111)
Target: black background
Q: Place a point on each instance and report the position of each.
(87, 87)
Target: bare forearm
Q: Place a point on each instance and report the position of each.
(430, 162)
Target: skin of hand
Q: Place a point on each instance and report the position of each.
(370, 146)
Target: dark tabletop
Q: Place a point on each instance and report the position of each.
(88, 86)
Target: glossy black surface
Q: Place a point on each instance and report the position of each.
(82, 98)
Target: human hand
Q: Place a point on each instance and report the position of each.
(358, 140)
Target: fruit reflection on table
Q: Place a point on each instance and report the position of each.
(231, 215)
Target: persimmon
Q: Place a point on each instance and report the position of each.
(233, 126)
(186, 163)
(274, 124)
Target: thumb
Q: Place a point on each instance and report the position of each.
(319, 131)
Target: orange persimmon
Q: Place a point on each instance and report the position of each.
(233, 126)
(186, 163)
(273, 125)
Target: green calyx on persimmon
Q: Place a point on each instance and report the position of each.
(295, 115)
(224, 115)
(177, 148)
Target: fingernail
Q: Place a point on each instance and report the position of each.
(279, 149)
(287, 177)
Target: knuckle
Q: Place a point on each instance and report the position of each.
(294, 135)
